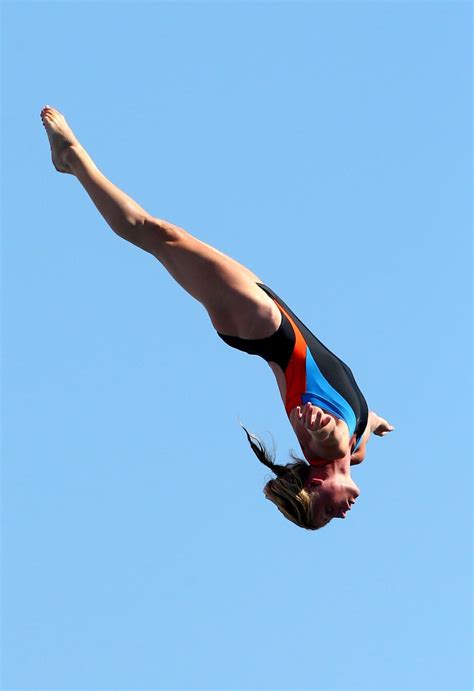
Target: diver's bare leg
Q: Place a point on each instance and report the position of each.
(226, 288)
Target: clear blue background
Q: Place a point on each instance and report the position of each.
(327, 146)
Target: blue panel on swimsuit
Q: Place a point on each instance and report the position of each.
(320, 392)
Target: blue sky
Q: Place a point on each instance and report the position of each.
(327, 146)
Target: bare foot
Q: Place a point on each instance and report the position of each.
(61, 138)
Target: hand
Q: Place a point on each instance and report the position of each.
(381, 427)
(312, 418)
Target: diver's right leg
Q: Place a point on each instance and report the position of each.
(123, 214)
(226, 288)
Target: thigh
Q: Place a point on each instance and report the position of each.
(227, 289)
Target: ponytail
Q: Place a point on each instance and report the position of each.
(287, 491)
(259, 449)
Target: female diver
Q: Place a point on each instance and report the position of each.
(324, 405)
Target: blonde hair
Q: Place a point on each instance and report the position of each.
(287, 491)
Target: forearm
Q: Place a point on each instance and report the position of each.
(374, 421)
(379, 425)
(375, 425)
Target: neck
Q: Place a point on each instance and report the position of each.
(327, 469)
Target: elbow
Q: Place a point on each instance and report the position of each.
(356, 459)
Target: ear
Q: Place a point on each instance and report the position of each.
(314, 482)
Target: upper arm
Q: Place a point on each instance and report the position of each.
(359, 455)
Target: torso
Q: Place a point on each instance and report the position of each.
(280, 377)
(281, 381)
(266, 320)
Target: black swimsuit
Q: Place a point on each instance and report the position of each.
(313, 374)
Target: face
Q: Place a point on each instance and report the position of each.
(333, 498)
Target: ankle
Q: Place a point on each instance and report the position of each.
(77, 157)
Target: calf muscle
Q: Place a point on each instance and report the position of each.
(152, 235)
(226, 288)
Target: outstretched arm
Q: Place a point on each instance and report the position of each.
(375, 425)
(379, 425)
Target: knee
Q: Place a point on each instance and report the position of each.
(153, 234)
(162, 231)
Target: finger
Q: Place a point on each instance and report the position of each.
(315, 415)
(303, 415)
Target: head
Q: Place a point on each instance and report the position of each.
(332, 495)
(307, 496)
